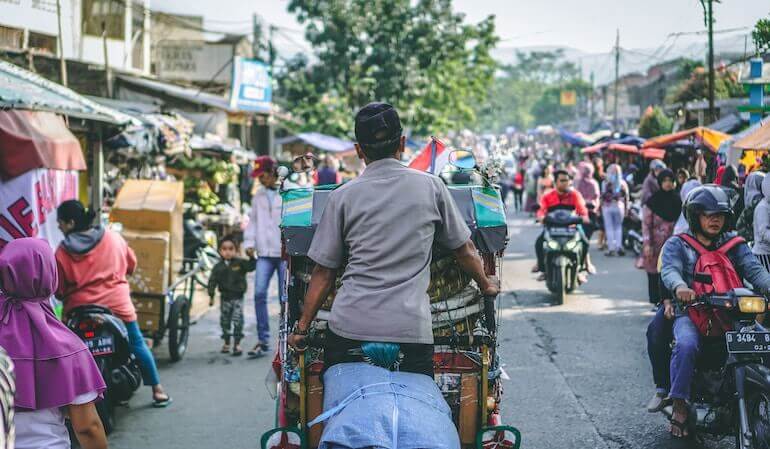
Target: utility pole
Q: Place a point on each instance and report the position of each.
(256, 36)
(107, 73)
(592, 98)
(62, 61)
(617, 82)
(270, 48)
(708, 9)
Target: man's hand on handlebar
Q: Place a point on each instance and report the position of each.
(685, 294)
(492, 288)
(668, 309)
(297, 342)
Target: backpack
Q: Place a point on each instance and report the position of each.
(714, 273)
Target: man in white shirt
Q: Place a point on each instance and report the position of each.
(262, 239)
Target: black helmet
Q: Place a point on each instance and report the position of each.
(708, 199)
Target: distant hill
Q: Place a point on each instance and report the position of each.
(636, 60)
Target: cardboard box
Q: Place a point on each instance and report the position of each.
(143, 205)
(315, 406)
(149, 323)
(152, 261)
(469, 409)
(149, 305)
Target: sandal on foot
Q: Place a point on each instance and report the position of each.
(237, 351)
(225, 349)
(256, 352)
(160, 401)
(683, 429)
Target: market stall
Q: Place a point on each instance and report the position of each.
(684, 148)
(39, 163)
(42, 152)
(213, 181)
(754, 144)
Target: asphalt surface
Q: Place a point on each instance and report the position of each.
(579, 373)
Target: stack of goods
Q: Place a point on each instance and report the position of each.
(150, 213)
(455, 300)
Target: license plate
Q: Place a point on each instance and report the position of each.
(747, 342)
(562, 231)
(101, 345)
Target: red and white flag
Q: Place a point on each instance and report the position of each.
(432, 158)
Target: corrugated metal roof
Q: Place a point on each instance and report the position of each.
(184, 93)
(22, 89)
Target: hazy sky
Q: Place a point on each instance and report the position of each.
(587, 25)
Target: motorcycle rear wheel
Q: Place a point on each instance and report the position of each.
(758, 405)
(106, 408)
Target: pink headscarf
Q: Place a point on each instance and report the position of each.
(52, 364)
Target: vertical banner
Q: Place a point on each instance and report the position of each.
(28, 204)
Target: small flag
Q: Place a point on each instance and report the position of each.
(428, 157)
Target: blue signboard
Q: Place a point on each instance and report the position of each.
(251, 89)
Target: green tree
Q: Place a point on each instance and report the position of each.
(527, 92)
(761, 36)
(420, 56)
(726, 85)
(655, 123)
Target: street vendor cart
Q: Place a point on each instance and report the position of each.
(466, 362)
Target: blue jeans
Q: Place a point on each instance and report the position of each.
(266, 266)
(659, 335)
(683, 357)
(143, 355)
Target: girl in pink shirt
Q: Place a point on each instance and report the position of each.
(93, 264)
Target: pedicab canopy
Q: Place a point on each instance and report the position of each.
(707, 137)
(481, 206)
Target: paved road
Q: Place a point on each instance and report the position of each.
(579, 372)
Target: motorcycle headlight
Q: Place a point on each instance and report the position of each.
(553, 244)
(752, 304)
(572, 244)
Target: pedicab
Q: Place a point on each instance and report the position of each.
(467, 366)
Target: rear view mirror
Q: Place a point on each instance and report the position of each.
(462, 159)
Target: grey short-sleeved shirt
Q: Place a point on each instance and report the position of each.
(385, 223)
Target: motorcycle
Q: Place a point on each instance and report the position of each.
(731, 385)
(563, 251)
(632, 229)
(106, 337)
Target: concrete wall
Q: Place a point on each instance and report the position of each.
(40, 16)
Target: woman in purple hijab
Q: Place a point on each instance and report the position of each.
(55, 373)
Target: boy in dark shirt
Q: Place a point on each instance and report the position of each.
(229, 275)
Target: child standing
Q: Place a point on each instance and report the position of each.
(229, 275)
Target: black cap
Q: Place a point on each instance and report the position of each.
(377, 123)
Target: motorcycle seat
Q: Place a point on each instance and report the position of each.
(89, 309)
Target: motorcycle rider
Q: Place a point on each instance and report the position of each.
(384, 257)
(562, 195)
(708, 212)
(93, 264)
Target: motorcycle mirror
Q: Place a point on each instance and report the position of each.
(304, 163)
(462, 159)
